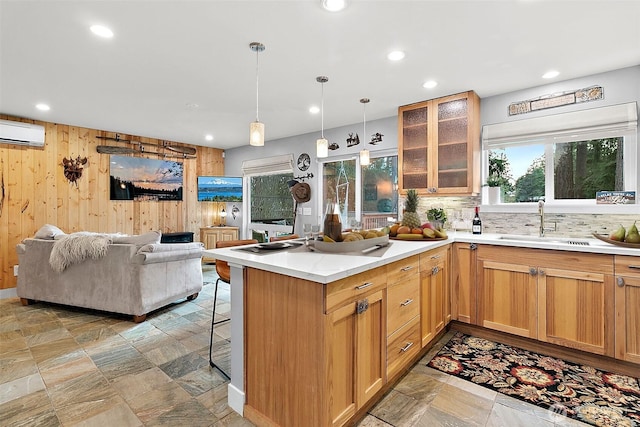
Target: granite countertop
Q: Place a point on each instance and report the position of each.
(325, 267)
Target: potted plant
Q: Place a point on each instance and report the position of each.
(499, 176)
(437, 217)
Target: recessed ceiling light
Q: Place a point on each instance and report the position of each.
(334, 5)
(314, 109)
(43, 107)
(550, 74)
(396, 55)
(430, 84)
(102, 31)
(208, 137)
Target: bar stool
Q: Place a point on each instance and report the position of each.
(224, 274)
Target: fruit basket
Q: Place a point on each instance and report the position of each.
(616, 242)
(419, 238)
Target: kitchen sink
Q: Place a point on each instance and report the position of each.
(574, 241)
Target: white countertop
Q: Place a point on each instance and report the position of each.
(327, 267)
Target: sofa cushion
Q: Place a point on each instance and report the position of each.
(141, 239)
(49, 232)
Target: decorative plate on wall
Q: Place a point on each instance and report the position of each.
(304, 161)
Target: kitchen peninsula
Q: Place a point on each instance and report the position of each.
(317, 336)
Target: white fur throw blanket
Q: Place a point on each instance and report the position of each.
(76, 247)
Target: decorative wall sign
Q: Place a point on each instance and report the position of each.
(73, 168)
(376, 138)
(333, 146)
(615, 197)
(590, 93)
(353, 140)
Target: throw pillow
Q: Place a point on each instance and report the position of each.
(141, 239)
(49, 232)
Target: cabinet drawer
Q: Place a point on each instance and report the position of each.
(430, 259)
(342, 291)
(403, 303)
(401, 270)
(627, 266)
(403, 346)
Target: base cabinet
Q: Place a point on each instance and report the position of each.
(627, 303)
(435, 305)
(564, 298)
(209, 236)
(463, 282)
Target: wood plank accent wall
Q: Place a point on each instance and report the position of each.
(36, 192)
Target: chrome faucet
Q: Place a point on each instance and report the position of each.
(541, 214)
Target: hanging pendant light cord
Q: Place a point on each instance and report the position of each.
(257, 83)
(322, 112)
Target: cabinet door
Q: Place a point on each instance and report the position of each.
(434, 298)
(575, 309)
(357, 357)
(627, 327)
(227, 234)
(507, 297)
(463, 303)
(413, 128)
(456, 144)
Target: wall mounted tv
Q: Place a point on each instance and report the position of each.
(219, 189)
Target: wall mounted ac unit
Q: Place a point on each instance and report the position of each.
(21, 133)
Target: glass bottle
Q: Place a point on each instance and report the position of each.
(476, 225)
(332, 222)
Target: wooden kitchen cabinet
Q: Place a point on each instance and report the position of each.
(560, 297)
(439, 146)
(463, 282)
(403, 314)
(308, 342)
(435, 304)
(209, 236)
(627, 307)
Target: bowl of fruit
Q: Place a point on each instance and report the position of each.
(622, 237)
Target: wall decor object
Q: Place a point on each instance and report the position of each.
(304, 161)
(376, 138)
(1, 185)
(163, 149)
(220, 189)
(353, 140)
(73, 168)
(591, 93)
(142, 179)
(333, 146)
(615, 197)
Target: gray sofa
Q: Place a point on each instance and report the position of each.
(130, 279)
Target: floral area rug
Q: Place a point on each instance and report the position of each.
(576, 391)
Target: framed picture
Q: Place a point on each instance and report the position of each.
(137, 178)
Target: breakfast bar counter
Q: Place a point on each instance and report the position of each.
(299, 317)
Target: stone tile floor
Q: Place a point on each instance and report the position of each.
(73, 367)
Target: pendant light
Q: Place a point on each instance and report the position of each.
(256, 129)
(322, 145)
(364, 154)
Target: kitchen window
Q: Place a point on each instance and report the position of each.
(564, 159)
(366, 194)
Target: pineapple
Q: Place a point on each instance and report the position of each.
(410, 217)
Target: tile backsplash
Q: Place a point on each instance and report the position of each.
(567, 225)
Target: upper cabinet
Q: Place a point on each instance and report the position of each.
(439, 146)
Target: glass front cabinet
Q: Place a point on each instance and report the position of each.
(439, 146)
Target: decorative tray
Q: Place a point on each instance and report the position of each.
(423, 239)
(615, 242)
(357, 246)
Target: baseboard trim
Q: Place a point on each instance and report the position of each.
(235, 398)
(8, 293)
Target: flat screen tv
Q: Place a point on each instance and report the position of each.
(219, 189)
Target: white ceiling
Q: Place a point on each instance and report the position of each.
(167, 56)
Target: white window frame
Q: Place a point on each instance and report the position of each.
(599, 123)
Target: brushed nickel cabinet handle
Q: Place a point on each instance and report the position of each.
(435, 257)
(407, 268)
(406, 347)
(634, 267)
(620, 281)
(406, 303)
(364, 286)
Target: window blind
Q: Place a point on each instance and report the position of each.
(618, 119)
